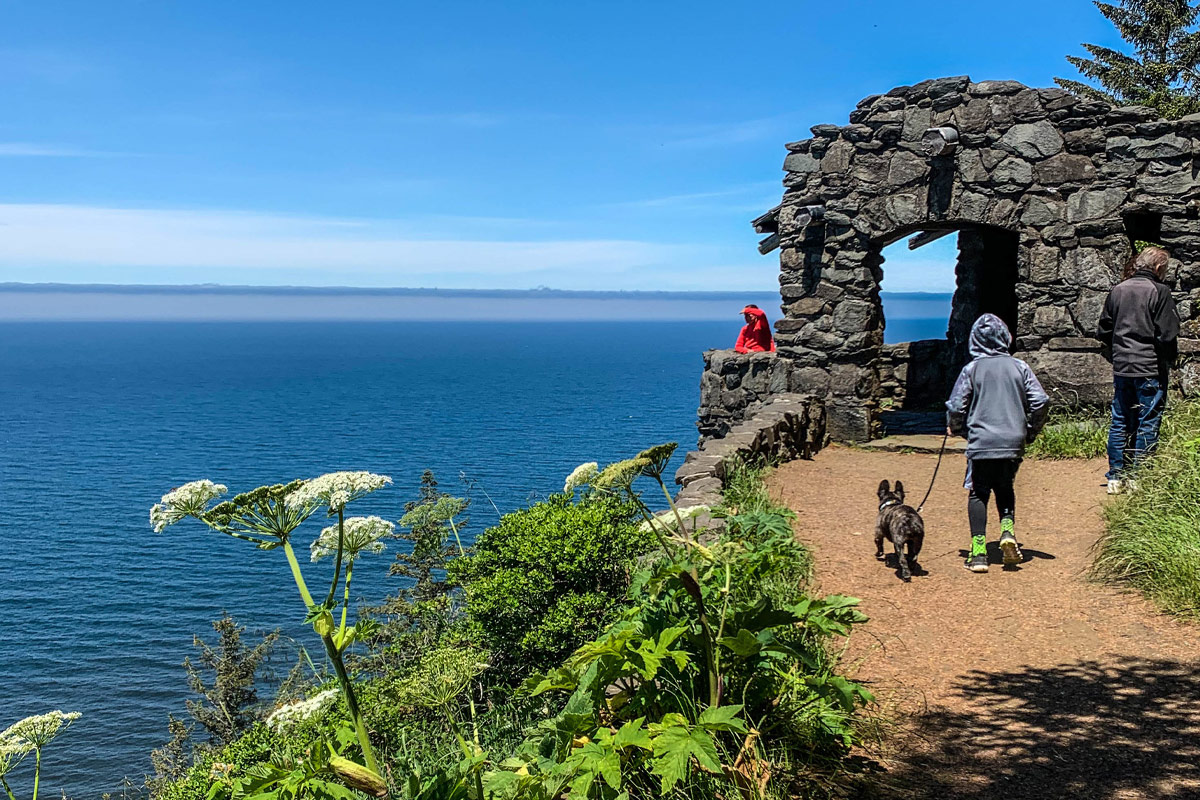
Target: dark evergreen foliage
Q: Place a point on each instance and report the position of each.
(225, 679)
(1162, 71)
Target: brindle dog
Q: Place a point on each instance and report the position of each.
(900, 523)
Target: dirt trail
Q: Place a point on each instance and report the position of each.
(1028, 682)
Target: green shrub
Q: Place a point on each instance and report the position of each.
(1152, 536)
(1071, 433)
(254, 746)
(549, 577)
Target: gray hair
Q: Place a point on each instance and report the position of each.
(1154, 259)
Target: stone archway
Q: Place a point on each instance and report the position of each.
(1073, 180)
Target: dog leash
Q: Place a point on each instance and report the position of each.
(941, 452)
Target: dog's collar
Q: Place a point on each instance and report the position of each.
(887, 503)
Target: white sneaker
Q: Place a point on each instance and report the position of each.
(1116, 486)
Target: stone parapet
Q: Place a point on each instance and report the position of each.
(784, 427)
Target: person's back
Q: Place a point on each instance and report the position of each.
(997, 400)
(998, 404)
(1139, 327)
(1139, 334)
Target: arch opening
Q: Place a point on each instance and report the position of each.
(980, 274)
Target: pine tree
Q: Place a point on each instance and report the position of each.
(1163, 71)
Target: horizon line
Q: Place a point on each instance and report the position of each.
(227, 288)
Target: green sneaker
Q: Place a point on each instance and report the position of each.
(977, 561)
(1008, 542)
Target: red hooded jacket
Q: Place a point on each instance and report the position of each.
(755, 336)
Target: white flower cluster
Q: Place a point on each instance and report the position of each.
(360, 535)
(287, 716)
(191, 499)
(666, 519)
(335, 489)
(581, 476)
(29, 734)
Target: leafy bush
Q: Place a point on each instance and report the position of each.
(1071, 433)
(1152, 536)
(548, 577)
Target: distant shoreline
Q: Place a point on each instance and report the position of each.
(400, 291)
(56, 302)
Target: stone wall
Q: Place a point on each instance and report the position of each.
(735, 385)
(781, 428)
(1046, 189)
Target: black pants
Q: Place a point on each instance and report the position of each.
(991, 476)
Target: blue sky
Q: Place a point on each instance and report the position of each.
(493, 145)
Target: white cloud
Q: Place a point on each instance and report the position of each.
(23, 149)
(175, 246)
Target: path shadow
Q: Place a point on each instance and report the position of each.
(891, 561)
(996, 556)
(1086, 731)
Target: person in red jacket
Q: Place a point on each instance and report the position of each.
(756, 333)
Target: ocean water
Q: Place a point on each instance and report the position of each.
(97, 420)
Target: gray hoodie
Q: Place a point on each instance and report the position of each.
(997, 401)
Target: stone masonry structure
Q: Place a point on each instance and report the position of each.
(1047, 193)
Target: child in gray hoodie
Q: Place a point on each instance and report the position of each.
(998, 404)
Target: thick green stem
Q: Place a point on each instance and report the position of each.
(37, 771)
(457, 540)
(360, 727)
(671, 503)
(337, 568)
(305, 595)
(463, 743)
(662, 540)
(721, 626)
(346, 600)
(364, 740)
(7, 790)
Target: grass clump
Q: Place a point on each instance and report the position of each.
(1152, 536)
(1071, 433)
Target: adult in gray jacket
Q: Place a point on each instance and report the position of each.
(1139, 330)
(999, 405)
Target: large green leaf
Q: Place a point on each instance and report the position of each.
(675, 747)
(722, 718)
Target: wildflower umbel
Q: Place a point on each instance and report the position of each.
(36, 732)
(335, 489)
(12, 753)
(581, 476)
(189, 500)
(289, 715)
(668, 520)
(620, 475)
(360, 535)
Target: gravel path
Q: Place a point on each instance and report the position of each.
(1027, 682)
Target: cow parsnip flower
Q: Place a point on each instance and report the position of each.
(189, 500)
(360, 535)
(657, 458)
(12, 753)
(442, 675)
(335, 489)
(444, 509)
(38, 731)
(300, 710)
(581, 476)
(620, 475)
(666, 519)
(259, 515)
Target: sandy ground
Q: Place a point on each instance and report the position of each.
(1028, 681)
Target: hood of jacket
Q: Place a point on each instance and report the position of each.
(757, 313)
(989, 337)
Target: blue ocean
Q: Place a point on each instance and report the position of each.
(97, 420)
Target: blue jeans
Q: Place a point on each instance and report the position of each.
(1137, 409)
